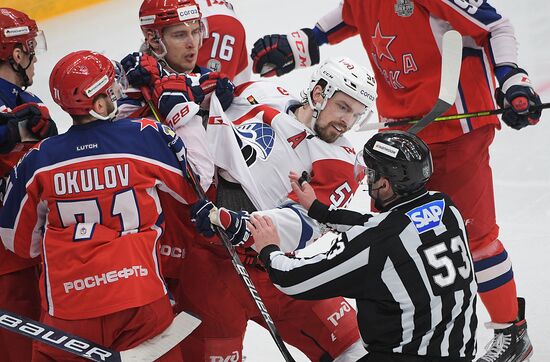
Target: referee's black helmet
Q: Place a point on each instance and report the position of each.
(401, 157)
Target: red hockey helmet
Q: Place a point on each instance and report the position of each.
(158, 14)
(17, 28)
(78, 78)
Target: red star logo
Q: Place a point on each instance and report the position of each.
(382, 44)
(147, 123)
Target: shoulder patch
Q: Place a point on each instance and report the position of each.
(169, 131)
(146, 122)
(428, 216)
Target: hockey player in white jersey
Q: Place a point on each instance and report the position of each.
(263, 135)
(280, 134)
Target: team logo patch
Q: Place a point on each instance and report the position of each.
(256, 141)
(428, 216)
(169, 131)
(214, 65)
(404, 8)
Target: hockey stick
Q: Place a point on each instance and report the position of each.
(150, 350)
(237, 264)
(451, 117)
(451, 59)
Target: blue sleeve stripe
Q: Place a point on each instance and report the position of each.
(497, 282)
(307, 230)
(485, 13)
(490, 262)
(320, 36)
(336, 28)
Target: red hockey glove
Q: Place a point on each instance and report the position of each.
(175, 99)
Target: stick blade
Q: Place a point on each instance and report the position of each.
(451, 59)
(150, 350)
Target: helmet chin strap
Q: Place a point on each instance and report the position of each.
(317, 108)
(107, 117)
(22, 71)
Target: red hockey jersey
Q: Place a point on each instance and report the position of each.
(224, 47)
(88, 202)
(403, 42)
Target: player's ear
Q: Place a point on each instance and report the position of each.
(17, 54)
(100, 105)
(152, 40)
(317, 94)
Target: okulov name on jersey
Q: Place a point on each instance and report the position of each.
(91, 179)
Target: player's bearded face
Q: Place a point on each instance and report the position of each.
(339, 115)
(182, 45)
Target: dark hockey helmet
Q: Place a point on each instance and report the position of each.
(402, 157)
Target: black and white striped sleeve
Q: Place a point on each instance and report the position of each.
(327, 215)
(326, 275)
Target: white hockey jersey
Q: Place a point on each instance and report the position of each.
(256, 143)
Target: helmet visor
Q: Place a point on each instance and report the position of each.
(362, 172)
(364, 118)
(121, 81)
(38, 44)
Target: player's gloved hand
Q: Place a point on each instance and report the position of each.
(278, 54)
(219, 83)
(200, 212)
(27, 122)
(175, 99)
(204, 214)
(39, 122)
(517, 96)
(141, 69)
(234, 224)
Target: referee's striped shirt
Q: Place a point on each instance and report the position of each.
(408, 268)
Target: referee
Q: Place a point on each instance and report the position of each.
(408, 268)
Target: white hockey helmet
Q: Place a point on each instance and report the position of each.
(344, 75)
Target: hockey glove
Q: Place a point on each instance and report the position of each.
(205, 214)
(233, 223)
(175, 99)
(200, 212)
(141, 69)
(516, 95)
(28, 122)
(38, 120)
(219, 83)
(278, 54)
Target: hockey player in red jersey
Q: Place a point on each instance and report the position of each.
(224, 45)
(87, 202)
(24, 120)
(402, 40)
